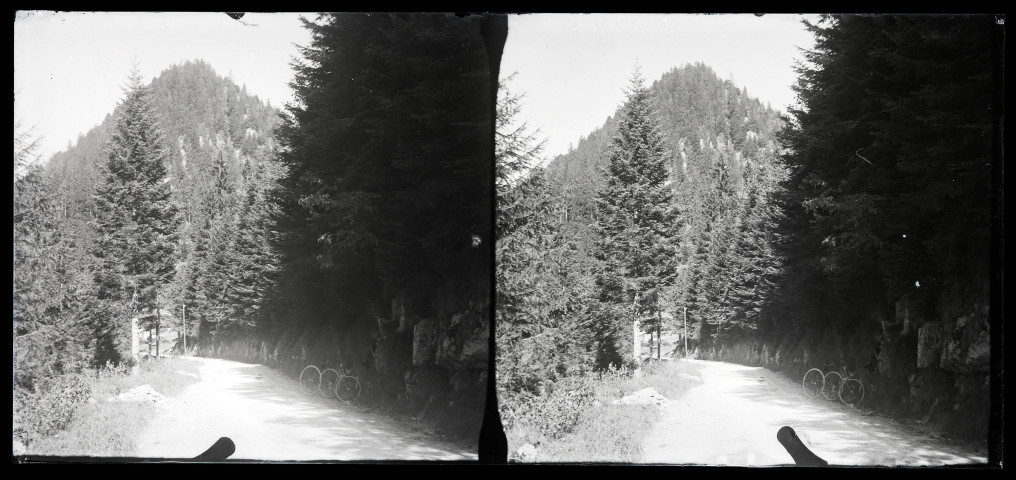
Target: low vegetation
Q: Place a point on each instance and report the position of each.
(575, 419)
(73, 415)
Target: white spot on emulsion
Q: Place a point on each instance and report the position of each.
(917, 284)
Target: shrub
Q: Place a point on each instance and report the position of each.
(50, 407)
(575, 418)
(57, 418)
(554, 411)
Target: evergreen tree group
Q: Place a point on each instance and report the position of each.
(116, 227)
(719, 258)
(385, 211)
(890, 154)
(387, 145)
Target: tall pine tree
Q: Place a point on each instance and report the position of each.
(137, 223)
(636, 224)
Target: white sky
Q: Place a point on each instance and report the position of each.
(69, 67)
(574, 68)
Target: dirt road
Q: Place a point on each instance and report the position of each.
(268, 418)
(733, 417)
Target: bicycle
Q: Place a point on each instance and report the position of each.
(310, 380)
(329, 383)
(851, 391)
(833, 386)
(347, 388)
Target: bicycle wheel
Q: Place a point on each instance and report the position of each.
(814, 382)
(310, 380)
(348, 388)
(833, 381)
(851, 392)
(329, 380)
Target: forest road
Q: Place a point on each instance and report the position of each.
(733, 416)
(269, 418)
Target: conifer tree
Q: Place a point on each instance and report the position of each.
(137, 223)
(538, 336)
(252, 260)
(636, 225)
(48, 293)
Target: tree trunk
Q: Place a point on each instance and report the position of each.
(158, 322)
(659, 337)
(635, 337)
(636, 350)
(135, 345)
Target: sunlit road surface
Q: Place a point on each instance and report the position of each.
(733, 416)
(268, 418)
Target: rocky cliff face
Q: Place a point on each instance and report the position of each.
(922, 361)
(447, 376)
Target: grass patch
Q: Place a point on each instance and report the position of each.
(670, 378)
(106, 429)
(164, 375)
(575, 419)
(605, 433)
(71, 415)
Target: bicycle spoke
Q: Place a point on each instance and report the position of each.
(329, 379)
(833, 380)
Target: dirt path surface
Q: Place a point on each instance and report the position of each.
(268, 418)
(733, 416)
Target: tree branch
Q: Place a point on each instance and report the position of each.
(858, 153)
